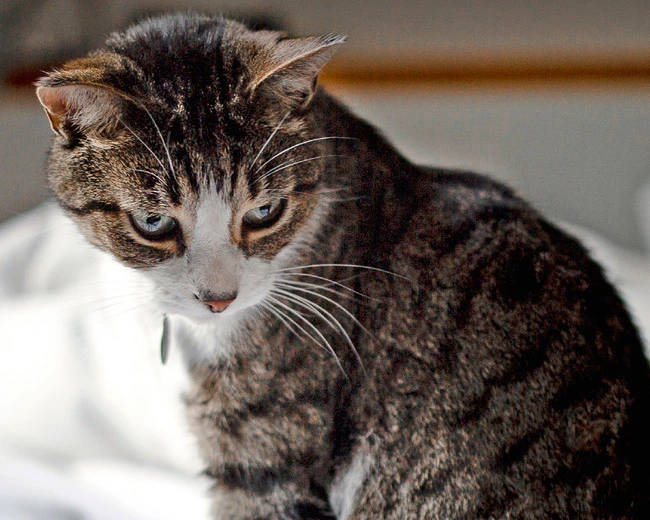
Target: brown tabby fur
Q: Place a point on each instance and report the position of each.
(497, 375)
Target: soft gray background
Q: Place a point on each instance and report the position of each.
(580, 153)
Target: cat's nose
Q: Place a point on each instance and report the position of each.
(218, 305)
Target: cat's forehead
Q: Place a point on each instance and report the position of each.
(191, 56)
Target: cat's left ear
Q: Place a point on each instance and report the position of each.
(291, 71)
(82, 108)
(79, 98)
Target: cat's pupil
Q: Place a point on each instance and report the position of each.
(265, 210)
(153, 221)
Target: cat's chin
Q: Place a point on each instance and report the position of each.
(204, 339)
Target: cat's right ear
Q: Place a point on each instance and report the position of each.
(289, 70)
(79, 109)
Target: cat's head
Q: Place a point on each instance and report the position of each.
(185, 148)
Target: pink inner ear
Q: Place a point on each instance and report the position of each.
(54, 99)
(88, 107)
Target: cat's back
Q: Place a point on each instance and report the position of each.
(478, 254)
(518, 355)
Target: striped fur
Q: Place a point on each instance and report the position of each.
(402, 343)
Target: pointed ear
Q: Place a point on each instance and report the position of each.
(291, 70)
(79, 108)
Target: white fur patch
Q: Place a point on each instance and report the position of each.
(213, 261)
(212, 266)
(343, 493)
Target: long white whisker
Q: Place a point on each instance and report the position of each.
(348, 199)
(333, 302)
(162, 140)
(288, 322)
(148, 172)
(297, 145)
(321, 191)
(324, 344)
(266, 143)
(305, 320)
(323, 314)
(285, 165)
(351, 266)
(312, 307)
(327, 281)
(119, 310)
(43, 231)
(145, 145)
(89, 307)
(290, 284)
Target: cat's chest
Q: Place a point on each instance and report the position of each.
(253, 407)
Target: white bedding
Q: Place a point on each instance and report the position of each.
(91, 426)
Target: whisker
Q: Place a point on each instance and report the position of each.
(279, 165)
(162, 140)
(282, 317)
(155, 175)
(349, 199)
(324, 191)
(285, 165)
(117, 310)
(42, 231)
(288, 284)
(266, 143)
(324, 279)
(350, 266)
(325, 344)
(333, 302)
(98, 306)
(325, 315)
(145, 145)
(301, 144)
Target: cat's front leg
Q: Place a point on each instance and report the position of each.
(265, 435)
(277, 501)
(278, 477)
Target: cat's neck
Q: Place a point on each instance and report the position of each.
(378, 182)
(332, 118)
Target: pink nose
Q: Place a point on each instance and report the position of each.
(218, 305)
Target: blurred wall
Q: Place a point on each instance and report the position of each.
(575, 144)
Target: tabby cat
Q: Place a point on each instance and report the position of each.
(366, 338)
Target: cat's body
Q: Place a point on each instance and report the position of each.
(477, 366)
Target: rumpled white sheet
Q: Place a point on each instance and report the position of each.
(91, 425)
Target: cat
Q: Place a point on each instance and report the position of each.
(367, 338)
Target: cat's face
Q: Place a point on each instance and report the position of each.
(185, 150)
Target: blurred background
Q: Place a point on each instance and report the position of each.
(551, 96)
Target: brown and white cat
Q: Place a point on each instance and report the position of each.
(367, 338)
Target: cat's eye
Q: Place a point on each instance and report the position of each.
(153, 226)
(266, 215)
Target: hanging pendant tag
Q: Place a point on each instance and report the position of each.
(165, 340)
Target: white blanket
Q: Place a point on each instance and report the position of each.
(91, 425)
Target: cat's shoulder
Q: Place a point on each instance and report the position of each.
(465, 222)
(466, 195)
(455, 206)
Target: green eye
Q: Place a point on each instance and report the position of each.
(266, 215)
(153, 226)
